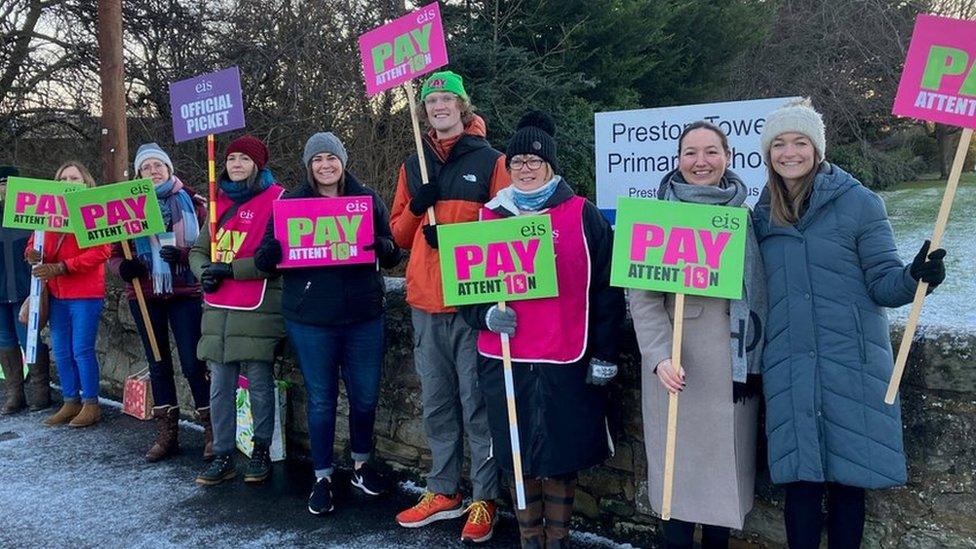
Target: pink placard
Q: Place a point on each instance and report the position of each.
(317, 232)
(939, 80)
(403, 49)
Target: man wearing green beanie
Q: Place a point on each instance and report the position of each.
(464, 172)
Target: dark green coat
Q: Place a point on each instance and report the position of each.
(230, 335)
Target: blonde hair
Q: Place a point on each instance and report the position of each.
(467, 111)
(786, 205)
(86, 175)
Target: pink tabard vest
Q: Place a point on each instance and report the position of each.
(553, 329)
(238, 238)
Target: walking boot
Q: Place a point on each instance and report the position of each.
(67, 412)
(259, 468)
(90, 414)
(220, 469)
(39, 382)
(558, 497)
(13, 374)
(531, 531)
(203, 416)
(167, 441)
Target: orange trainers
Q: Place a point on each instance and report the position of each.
(481, 522)
(431, 508)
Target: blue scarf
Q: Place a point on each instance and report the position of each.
(180, 216)
(239, 191)
(532, 201)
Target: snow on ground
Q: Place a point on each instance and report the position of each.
(912, 213)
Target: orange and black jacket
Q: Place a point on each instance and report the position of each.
(469, 174)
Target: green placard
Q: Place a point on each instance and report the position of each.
(37, 204)
(679, 248)
(502, 260)
(116, 212)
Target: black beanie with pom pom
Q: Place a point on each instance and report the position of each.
(534, 136)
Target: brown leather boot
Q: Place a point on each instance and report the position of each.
(39, 382)
(13, 375)
(167, 441)
(66, 413)
(203, 416)
(558, 496)
(90, 414)
(530, 519)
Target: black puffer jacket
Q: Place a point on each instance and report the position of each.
(329, 296)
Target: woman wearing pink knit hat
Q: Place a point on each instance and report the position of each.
(242, 324)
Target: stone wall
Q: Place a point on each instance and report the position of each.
(936, 509)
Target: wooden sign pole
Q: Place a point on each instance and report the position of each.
(141, 299)
(940, 223)
(420, 145)
(679, 321)
(212, 180)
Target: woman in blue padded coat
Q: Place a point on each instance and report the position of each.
(831, 270)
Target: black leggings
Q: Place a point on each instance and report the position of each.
(805, 517)
(679, 534)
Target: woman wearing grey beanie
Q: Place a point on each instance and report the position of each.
(831, 270)
(334, 319)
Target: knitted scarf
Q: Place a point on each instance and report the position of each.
(242, 191)
(180, 217)
(532, 201)
(731, 191)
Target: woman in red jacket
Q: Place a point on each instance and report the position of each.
(75, 279)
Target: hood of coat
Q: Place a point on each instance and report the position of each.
(829, 185)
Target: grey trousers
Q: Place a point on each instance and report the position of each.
(445, 354)
(223, 398)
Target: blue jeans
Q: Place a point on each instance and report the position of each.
(74, 327)
(183, 315)
(321, 349)
(12, 332)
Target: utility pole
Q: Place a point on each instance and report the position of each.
(114, 138)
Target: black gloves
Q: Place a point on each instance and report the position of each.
(171, 254)
(383, 246)
(425, 197)
(430, 235)
(931, 270)
(131, 269)
(213, 275)
(268, 257)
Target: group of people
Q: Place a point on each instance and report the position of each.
(809, 334)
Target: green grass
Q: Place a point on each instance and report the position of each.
(926, 181)
(912, 208)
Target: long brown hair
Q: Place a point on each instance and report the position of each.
(786, 205)
(86, 175)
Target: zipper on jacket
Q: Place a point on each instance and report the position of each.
(301, 298)
(860, 332)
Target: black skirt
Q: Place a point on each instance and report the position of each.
(561, 418)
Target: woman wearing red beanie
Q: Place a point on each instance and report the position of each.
(242, 325)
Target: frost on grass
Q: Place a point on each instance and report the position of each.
(912, 213)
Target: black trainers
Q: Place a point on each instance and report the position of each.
(220, 469)
(259, 468)
(368, 480)
(320, 500)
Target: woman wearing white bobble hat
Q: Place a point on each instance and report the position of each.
(831, 270)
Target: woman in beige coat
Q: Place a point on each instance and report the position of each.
(715, 455)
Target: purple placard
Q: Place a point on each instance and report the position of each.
(318, 232)
(205, 104)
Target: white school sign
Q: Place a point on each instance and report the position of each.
(634, 149)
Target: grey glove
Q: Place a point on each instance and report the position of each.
(600, 372)
(499, 321)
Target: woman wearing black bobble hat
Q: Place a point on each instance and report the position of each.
(563, 348)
